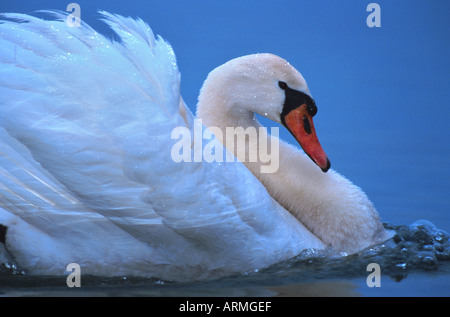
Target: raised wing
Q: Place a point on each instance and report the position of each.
(86, 127)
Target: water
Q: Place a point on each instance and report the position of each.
(415, 262)
(383, 121)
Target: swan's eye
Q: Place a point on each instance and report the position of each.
(282, 85)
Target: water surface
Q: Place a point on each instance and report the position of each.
(415, 262)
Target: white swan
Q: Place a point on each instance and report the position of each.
(86, 173)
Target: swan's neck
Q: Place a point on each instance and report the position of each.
(239, 131)
(329, 205)
(282, 168)
(221, 116)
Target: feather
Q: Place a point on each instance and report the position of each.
(87, 175)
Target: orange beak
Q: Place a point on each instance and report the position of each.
(300, 124)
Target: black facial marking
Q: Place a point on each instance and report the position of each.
(295, 99)
(312, 108)
(306, 125)
(282, 85)
(3, 234)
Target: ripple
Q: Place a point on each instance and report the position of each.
(419, 247)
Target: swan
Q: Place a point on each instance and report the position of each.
(87, 177)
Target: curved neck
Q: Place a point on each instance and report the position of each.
(216, 112)
(284, 170)
(329, 205)
(241, 133)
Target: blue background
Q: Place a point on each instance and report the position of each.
(381, 92)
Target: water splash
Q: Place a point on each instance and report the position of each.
(419, 247)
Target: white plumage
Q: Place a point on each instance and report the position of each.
(86, 173)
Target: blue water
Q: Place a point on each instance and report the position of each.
(383, 121)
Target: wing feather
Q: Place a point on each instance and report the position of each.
(86, 126)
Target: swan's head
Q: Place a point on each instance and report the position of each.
(268, 85)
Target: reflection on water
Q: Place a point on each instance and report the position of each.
(420, 249)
